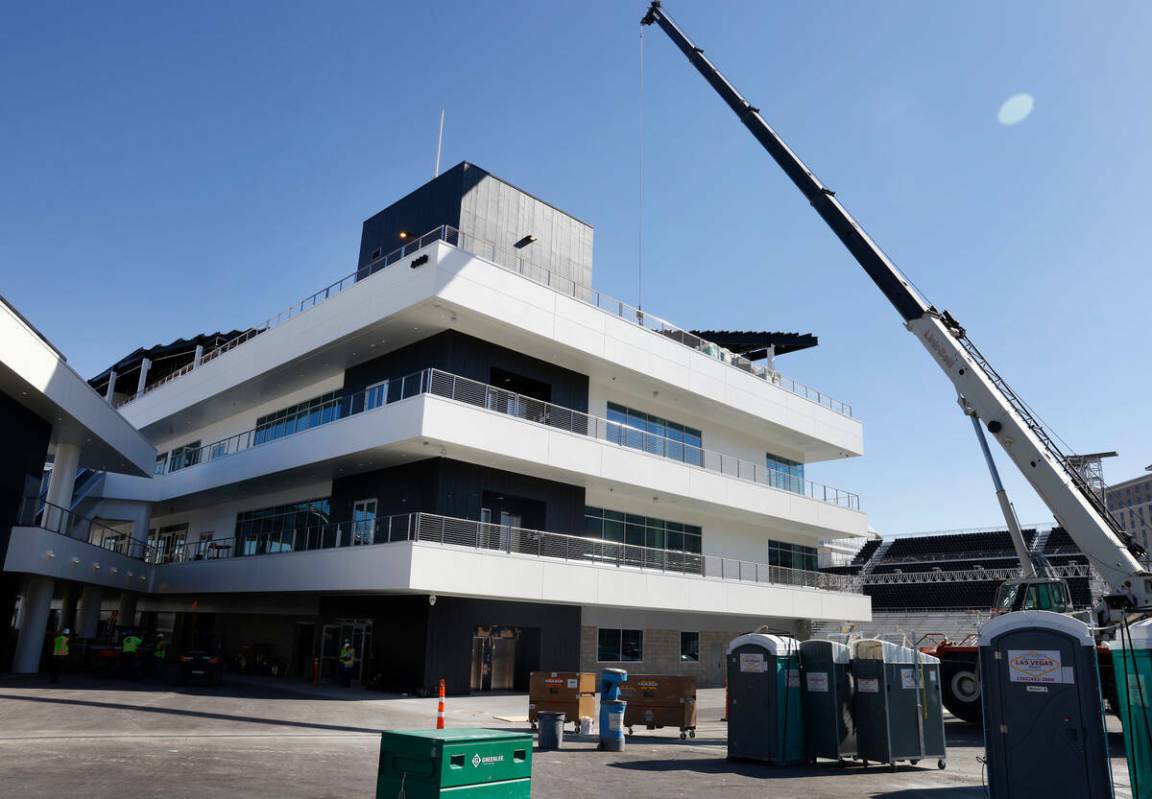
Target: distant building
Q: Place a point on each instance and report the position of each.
(1131, 504)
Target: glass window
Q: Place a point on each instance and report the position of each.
(161, 463)
(792, 556)
(689, 647)
(297, 418)
(641, 530)
(639, 430)
(282, 527)
(784, 473)
(616, 646)
(185, 456)
(374, 396)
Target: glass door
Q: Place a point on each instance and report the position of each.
(363, 521)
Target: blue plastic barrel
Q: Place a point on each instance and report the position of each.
(612, 724)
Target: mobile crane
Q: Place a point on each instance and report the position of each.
(983, 394)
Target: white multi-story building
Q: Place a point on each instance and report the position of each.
(469, 463)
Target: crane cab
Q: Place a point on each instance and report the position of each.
(1038, 593)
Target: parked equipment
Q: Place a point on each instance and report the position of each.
(828, 694)
(198, 666)
(899, 713)
(421, 764)
(764, 701)
(572, 693)
(1132, 668)
(1043, 718)
(612, 710)
(660, 700)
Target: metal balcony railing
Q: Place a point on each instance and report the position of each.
(62, 521)
(482, 395)
(512, 261)
(496, 538)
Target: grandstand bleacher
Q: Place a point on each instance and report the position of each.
(944, 570)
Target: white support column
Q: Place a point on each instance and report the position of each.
(63, 478)
(111, 390)
(35, 602)
(126, 617)
(88, 618)
(199, 356)
(145, 365)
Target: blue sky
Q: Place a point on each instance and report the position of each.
(172, 170)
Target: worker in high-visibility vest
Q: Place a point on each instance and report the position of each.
(347, 661)
(129, 646)
(155, 661)
(59, 654)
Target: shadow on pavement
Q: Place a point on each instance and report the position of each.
(233, 685)
(974, 792)
(187, 713)
(743, 768)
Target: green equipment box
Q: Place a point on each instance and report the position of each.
(476, 763)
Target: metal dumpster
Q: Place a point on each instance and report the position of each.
(1132, 668)
(828, 693)
(899, 709)
(478, 763)
(660, 700)
(572, 693)
(764, 703)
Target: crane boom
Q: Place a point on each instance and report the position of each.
(1062, 487)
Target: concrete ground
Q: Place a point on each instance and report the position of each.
(274, 738)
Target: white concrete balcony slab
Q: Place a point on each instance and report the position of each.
(442, 286)
(438, 414)
(436, 555)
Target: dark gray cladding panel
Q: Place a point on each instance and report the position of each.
(453, 488)
(550, 642)
(475, 359)
(487, 208)
(435, 203)
(495, 211)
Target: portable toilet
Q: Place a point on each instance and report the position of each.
(827, 691)
(1132, 667)
(1043, 713)
(764, 702)
(899, 707)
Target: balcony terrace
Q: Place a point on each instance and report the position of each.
(512, 262)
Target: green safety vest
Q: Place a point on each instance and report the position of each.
(160, 651)
(347, 656)
(60, 646)
(128, 645)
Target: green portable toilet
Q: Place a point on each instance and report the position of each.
(1132, 666)
(765, 720)
(473, 763)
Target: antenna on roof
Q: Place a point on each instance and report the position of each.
(439, 142)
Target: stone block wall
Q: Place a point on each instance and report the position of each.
(662, 655)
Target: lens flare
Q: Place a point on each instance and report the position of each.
(1015, 109)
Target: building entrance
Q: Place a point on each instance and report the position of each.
(333, 636)
(494, 658)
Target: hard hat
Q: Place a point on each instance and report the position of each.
(159, 635)
(347, 642)
(67, 631)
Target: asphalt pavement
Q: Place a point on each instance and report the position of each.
(279, 739)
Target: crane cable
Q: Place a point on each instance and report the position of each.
(640, 212)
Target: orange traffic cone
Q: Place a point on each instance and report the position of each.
(440, 709)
